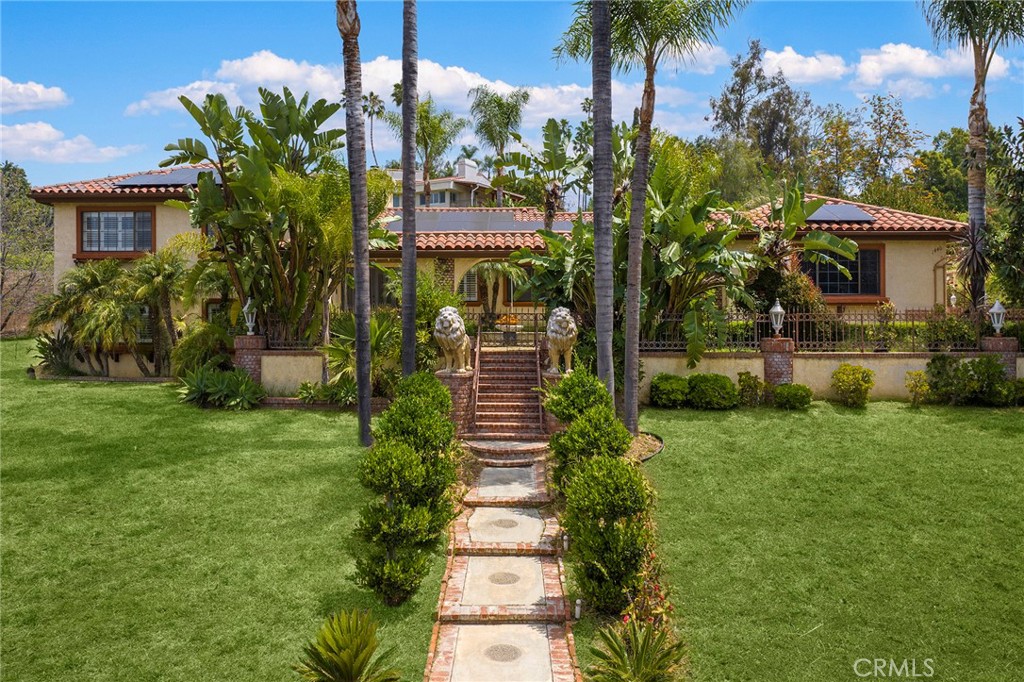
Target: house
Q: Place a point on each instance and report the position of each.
(902, 257)
(466, 189)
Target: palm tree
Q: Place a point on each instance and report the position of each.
(496, 117)
(644, 32)
(348, 27)
(982, 27)
(601, 108)
(373, 107)
(159, 278)
(410, 48)
(436, 130)
(490, 273)
(554, 165)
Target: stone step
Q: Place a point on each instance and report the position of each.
(503, 447)
(531, 435)
(510, 487)
(520, 411)
(506, 531)
(509, 424)
(516, 461)
(494, 652)
(503, 589)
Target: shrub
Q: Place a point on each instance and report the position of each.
(428, 387)
(56, 353)
(416, 422)
(943, 331)
(713, 392)
(233, 389)
(607, 516)
(575, 394)
(597, 433)
(853, 383)
(394, 577)
(917, 387)
(1018, 391)
(792, 396)
(753, 391)
(340, 391)
(345, 650)
(636, 651)
(981, 381)
(203, 345)
(669, 390)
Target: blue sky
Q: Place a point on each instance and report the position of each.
(88, 88)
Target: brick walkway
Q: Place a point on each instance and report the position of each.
(503, 614)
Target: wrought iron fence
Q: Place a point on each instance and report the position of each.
(511, 329)
(867, 331)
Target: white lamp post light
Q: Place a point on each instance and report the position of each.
(777, 314)
(997, 314)
(250, 316)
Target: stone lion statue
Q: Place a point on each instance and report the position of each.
(561, 339)
(450, 333)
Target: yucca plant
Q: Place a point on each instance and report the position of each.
(636, 652)
(345, 650)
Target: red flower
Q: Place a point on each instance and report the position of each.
(625, 619)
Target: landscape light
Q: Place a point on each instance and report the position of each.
(998, 316)
(777, 314)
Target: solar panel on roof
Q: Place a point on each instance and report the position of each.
(840, 213)
(178, 177)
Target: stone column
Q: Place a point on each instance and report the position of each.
(551, 424)
(778, 360)
(1006, 347)
(249, 355)
(460, 385)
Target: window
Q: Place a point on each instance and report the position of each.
(518, 294)
(468, 288)
(865, 274)
(117, 231)
(379, 295)
(396, 200)
(437, 197)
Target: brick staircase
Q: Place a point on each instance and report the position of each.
(507, 402)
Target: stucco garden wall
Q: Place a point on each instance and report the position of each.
(283, 371)
(729, 364)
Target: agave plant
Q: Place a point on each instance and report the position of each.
(345, 650)
(635, 652)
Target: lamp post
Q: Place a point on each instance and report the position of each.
(250, 316)
(777, 314)
(997, 314)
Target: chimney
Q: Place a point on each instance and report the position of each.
(466, 168)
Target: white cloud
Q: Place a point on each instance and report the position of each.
(239, 79)
(900, 59)
(155, 102)
(705, 60)
(800, 68)
(42, 142)
(911, 88)
(15, 97)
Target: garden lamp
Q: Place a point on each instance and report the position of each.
(777, 314)
(250, 316)
(998, 316)
(952, 300)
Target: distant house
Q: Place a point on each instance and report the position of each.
(902, 257)
(468, 188)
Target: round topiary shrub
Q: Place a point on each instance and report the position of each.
(597, 433)
(669, 390)
(428, 388)
(792, 396)
(575, 394)
(853, 384)
(607, 517)
(712, 392)
(416, 422)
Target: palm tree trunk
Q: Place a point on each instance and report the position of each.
(158, 346)
(165, 310)
(426, 184)
(373, 150)
(603, 188)
(348, 27)
(410, 49)
(977, 128)
(635, 249)
(140, 362)
(499, 193)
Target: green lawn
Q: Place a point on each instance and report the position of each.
(798, 543)
(147, 540)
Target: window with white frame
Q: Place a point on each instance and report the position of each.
(468, 288)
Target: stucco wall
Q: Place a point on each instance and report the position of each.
(169, 222)
(283, 371)
(912, 279)
(890, 370)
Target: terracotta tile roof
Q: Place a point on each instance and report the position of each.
(102, 188)
(478, 241)
(520, 214)
(887, 220)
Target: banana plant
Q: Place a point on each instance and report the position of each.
(554, 164)
(562, 275)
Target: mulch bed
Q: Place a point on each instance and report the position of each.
(645, 446)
